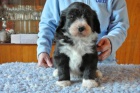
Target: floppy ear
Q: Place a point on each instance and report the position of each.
(61, 22)
(96, 23)
(59, 30)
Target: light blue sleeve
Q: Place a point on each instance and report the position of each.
(47, 26)
(119, 24)
(117, 28)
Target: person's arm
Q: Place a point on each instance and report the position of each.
(117, 30)
(47, 27)
(119, 24)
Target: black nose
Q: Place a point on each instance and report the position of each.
(81, 29)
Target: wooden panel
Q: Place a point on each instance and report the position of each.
(17, 52)
(129, 53)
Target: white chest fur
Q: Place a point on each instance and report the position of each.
(81, 47)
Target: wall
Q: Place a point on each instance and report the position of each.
(129, 53)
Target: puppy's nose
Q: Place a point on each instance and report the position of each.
(81, 29)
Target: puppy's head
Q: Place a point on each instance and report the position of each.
(78, 20)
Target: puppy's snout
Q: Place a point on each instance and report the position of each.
(81, 29)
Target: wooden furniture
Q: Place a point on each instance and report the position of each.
(19, 53)
(128, 53)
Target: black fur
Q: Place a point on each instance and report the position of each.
(61, 60)
(74, 11)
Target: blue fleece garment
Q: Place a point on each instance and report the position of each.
(112, 15)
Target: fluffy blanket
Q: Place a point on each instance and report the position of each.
(20, 77)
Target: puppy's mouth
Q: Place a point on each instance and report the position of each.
(80, 28)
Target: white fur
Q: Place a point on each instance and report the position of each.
(99, 74)
(55, 73)
(89, 83)
(63, 83)
(82, 45)
(80, 22)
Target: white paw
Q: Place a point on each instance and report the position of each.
(99, 74)
(89, 83)
(63, 83)
(55, 73)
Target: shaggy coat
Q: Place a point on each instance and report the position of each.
(76, 37)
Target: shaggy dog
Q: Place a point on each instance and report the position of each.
(75, 51)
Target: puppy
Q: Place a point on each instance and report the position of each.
(75, 51)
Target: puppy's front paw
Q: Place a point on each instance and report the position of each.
(63, 83)
(55, 73)
(99, 74)
(89, 83)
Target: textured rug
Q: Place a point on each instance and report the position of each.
(28, 78)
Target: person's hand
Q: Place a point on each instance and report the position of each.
(44, 60)
(104, 46)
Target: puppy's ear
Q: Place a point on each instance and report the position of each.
(61, 22)
(96, 23)
(59, 30)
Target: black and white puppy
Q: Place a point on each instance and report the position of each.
(75, 51)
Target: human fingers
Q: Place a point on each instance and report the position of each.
(103, 48)
(104, 55)
(42, 63)
(103, 45)
(44, 60)
(48, 61)
(100, 43)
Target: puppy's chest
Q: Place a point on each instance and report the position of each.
(79, 48)
(75, 53)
